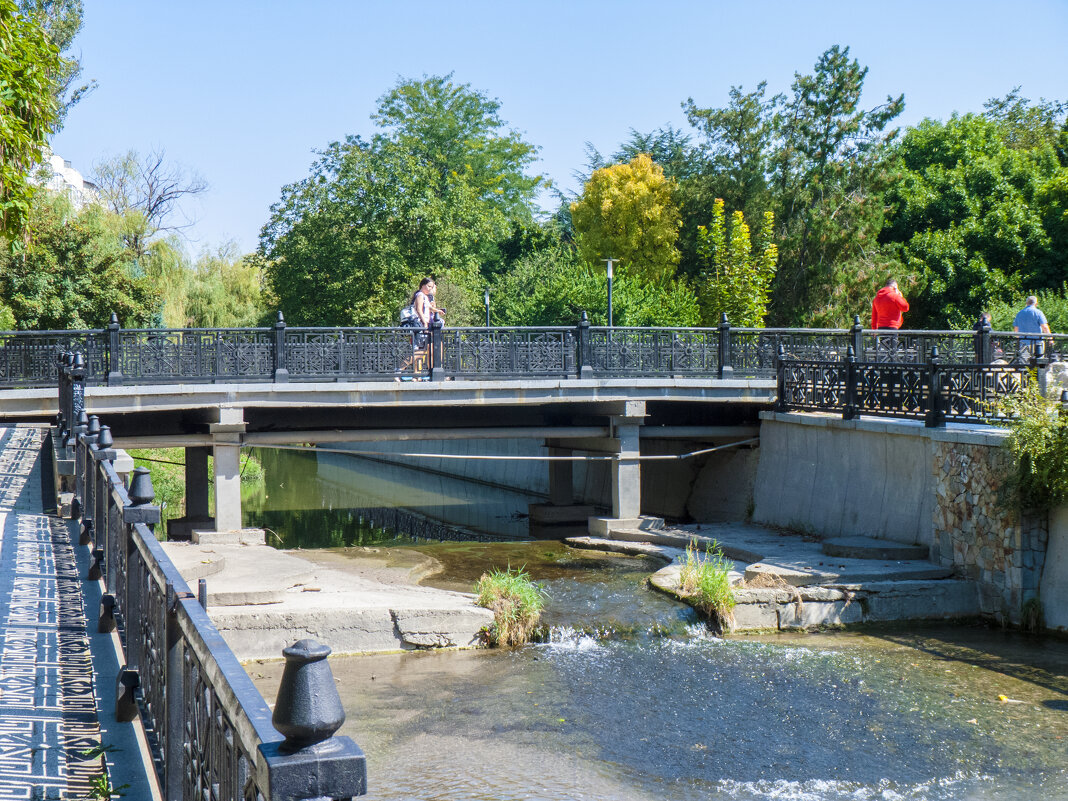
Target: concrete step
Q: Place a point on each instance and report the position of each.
(805, 572)
(871, 548)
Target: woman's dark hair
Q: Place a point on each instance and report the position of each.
(422, 284)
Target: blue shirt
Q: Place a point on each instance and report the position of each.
(1029, 320)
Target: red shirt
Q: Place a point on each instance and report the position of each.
(887, 308)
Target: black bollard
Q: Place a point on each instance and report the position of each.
(308, 709)
(106, 619)
(96, 567)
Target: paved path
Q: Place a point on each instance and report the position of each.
(50, 732)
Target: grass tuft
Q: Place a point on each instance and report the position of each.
(516, 603)
(705, 581)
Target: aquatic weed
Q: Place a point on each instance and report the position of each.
(705, 580)
(516, 603)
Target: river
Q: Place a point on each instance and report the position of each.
(632, 699)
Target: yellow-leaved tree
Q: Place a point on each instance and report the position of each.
(737, 278)
(628, 212)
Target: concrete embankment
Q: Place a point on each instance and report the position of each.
(786, 581)
(262, 600)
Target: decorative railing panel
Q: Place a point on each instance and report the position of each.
(814, 385)
(31, 358)
(890, 390)
(332, 354)
(1013, 348)
(972, 390)
(479, 352)
(753, 350)
(914, 347)
(654, 351)
(193, 354)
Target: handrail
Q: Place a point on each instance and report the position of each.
(210, 730)
(338, 353)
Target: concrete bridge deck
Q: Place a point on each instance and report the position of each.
(53, 708)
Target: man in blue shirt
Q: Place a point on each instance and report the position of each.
(1030, 320)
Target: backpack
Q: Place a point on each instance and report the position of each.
(408, 317)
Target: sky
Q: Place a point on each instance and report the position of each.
(244, 93)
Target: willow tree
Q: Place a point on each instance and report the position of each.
(739, 272)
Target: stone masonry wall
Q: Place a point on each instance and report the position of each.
(980, 535)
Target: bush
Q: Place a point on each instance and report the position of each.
(516, 603)
(1039, 441)
(705, 581)
(1053, 303)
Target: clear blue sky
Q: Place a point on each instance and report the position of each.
(243, 92)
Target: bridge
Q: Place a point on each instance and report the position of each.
(578, 390)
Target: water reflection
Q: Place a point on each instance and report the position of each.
(321, 499)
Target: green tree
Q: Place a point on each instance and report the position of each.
(967, 217)
(829, 174)
(554, 286)
(627, 212)
(434, 192)
(62, 21)
(737, 281)
(29, 112)
(75, 273)
(225, 290)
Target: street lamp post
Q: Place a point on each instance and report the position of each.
(610, 262)
(485, 297)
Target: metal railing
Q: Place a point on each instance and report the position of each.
(280, 353)
(931, 390)
(211, 733)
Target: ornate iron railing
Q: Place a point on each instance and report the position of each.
(211, 732)
(932, 391)
(115, 355)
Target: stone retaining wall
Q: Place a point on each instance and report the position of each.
(899, 481)
(982, 534)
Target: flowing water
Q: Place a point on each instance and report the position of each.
(631, 699)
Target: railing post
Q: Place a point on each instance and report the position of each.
(780, 378)
(984, 350)
(311, 762)
(857, 334)
(63, 419)
(1040, 364)
(849, 410)
(936, 404)
(437, 366)
(726, 370)
(582, 342)
(114, 352)
(281, 374)
(77, 396)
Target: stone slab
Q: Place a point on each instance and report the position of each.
(604, 526)
(240, 536)
(814, 614)
(873, 548)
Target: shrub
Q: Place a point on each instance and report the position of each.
(516, 603)
(705, 581)
(1039, 441)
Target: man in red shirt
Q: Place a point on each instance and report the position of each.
(888, 306)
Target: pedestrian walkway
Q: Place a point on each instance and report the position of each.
(49, 726)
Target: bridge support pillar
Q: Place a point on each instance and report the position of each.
(227, 486)
(561, 479)
(626, 468)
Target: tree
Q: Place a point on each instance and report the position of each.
(146, 193)
(829, 173)
(62, 21)
(29, 113)
(75, 274)
(627, 212)
(554, 286)
(434, 192)
(1026, 125)
(738, 278)
(968, 217)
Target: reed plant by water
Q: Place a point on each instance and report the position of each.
(705, 581)
(516, 603)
